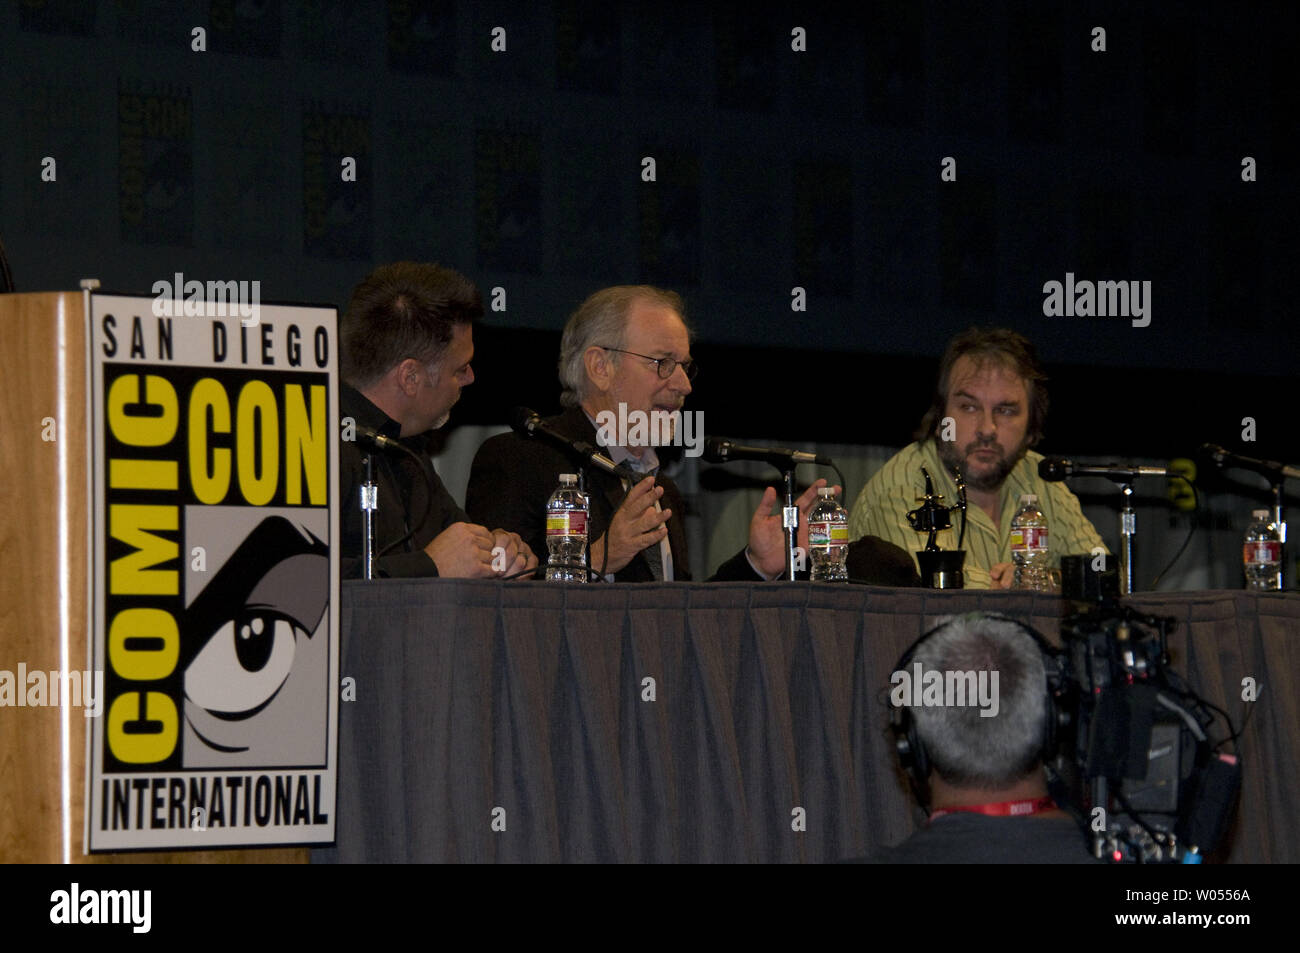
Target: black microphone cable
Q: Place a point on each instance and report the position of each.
(6, 276)
(604, 553)
(1196, 519)
(522, 573)
(593, 576)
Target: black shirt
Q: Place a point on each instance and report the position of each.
(966, 838)
(403, 491)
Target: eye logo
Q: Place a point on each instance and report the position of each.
(255, 666)
(244, 664)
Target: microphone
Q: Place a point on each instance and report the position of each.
(721, 450)
(528, 423)
(377, 441)
(1055, 469)
(1226, 458)
(524, 421)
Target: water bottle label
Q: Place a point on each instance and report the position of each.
(828, 534)
(1029, 539)
(573, 523)
(1268, 551)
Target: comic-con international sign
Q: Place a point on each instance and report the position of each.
(214, 574)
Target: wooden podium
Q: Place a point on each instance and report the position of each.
(44, 550)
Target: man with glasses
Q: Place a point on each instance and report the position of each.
(625, 352)
(405, 349)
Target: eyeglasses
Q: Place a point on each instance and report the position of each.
(664, 366)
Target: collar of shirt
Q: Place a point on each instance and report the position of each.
(354, 404)
(646, 464)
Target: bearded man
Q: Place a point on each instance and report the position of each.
(988, 410)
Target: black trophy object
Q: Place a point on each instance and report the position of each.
(940, 569)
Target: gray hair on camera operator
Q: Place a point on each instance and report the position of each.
(973, 720)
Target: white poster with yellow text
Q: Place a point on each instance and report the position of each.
(214, 573)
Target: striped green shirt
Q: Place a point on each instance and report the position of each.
(882, 507)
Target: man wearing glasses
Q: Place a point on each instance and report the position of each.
(626, 352)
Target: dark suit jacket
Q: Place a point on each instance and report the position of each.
(512, 477)
(403, 496)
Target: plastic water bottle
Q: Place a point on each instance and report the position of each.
(1261, 553)
(566, 532)
(828, 538)
(1029, 546)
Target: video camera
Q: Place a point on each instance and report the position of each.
(1135, 764)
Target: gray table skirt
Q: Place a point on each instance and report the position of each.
(705, 722)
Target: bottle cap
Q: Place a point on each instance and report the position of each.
(568, 478)
(1259, 514)
(1028, 498)
(826, 492)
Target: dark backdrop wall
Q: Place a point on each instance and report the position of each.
(775, 169)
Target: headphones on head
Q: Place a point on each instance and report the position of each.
(912, 756)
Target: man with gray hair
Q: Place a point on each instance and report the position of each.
(973, 717)
(625, 356)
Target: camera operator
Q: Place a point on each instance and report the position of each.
(977, 769)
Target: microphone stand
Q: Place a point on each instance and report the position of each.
(961, 505)
(1123, 478)
(1276, 474)
(593, 574)
(1281, 527)
(369, 504)
(582, 488)
(790, 521)
(1127, 530)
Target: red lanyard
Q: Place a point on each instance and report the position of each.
(1002, 808)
